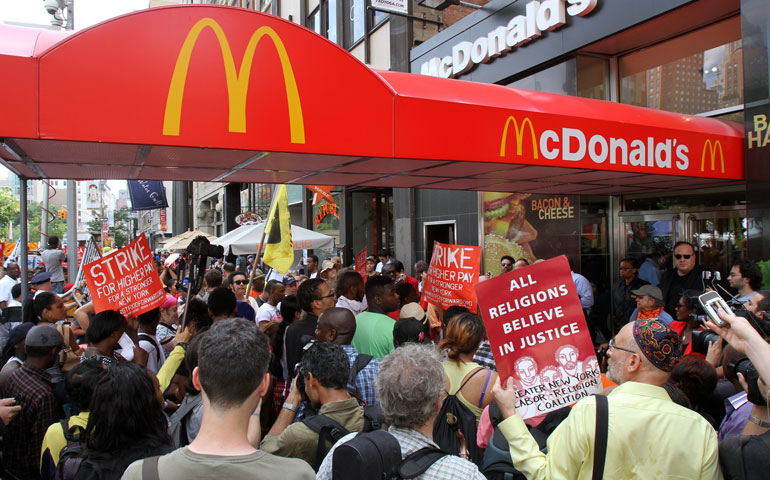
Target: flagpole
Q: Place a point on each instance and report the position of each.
(262, 241)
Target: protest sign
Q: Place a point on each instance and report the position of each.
(125, 280)
(361, 262)
(453, 271)
(539, 336)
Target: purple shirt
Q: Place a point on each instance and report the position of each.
(737, 411)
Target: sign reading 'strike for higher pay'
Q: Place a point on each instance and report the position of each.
(126, 280)
(453, 271)
(539, 336)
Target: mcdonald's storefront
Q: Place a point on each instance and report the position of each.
(679, 56)
(218, 94)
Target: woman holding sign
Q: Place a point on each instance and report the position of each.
(470, 382)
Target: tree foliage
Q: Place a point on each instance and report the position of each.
(119, 230)
(9, 210)
(56, 226)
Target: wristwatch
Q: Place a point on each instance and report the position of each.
(183, 345)
(290, 406)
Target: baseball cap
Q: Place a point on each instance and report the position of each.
(44, 336)
(408, 330)
(650, 290)
(170, 301)
(412, 310)
(41, 277)
(289, 280)
(327, 265)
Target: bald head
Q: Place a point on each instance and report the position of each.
(336, 325)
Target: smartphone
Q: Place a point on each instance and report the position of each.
(711, 303)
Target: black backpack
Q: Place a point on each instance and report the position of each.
(329, 430)
(497, 463)
(72, 454)
(362, 360)
(455, 420)
(377, 455)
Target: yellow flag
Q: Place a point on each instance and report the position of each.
(279, 250)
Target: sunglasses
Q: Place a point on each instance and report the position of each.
(680, 256)
(326, 296)
(241, 282)
(506, 264)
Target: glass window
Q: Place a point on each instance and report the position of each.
(559, 78)
(699, 61)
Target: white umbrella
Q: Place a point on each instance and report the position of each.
(244, 239)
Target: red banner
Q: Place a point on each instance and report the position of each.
(539, 336)
(126, 280)
(453, 271)
(321, 192)
(361, 262)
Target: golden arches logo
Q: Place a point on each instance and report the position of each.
(237, 82)
(712, 148)
(519, 135)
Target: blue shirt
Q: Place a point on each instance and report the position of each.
(584, 291)
(367, 375)
(650, 271)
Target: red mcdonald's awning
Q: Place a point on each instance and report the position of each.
(207, 93)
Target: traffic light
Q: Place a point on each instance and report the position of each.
(62, 214)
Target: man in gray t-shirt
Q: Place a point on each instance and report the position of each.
(226, 445)
(52, 258)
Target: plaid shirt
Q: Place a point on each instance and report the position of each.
(367, 375)
(32, 389)
(484, 356)
(450, 467)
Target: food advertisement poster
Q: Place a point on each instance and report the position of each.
(539, 336)
(529, 226)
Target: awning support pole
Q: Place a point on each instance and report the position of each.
(23, 237)
(72, 231)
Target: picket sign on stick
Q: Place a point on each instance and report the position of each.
(126, 280)
(453, 271)
(361, 262)
(539, 336)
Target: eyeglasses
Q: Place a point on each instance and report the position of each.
(612, 345)
(680, 256)
(241, 282)
(506, 264)
(325, 296)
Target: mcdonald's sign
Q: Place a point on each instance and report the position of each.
(237, 81)
(712, 149)
(519, 129)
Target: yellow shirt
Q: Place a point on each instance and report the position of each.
(649, 437)
(456, 372)
(53, 442)
(170, 366)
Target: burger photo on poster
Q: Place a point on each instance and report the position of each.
(506, 228)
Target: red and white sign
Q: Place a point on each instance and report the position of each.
(361, 262)
(126, 280)
(539, 336)
(453, 271)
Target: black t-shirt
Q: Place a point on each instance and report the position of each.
(296, 338)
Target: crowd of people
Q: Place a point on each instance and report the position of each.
(275, 378)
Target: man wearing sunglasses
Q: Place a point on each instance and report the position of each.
(686, 275)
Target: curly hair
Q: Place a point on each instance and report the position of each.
(463, 335)
(125, 411)
(328, 363)
(80, 382)
(410, 382)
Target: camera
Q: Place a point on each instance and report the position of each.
(201, 246)
(701, 340)
(750, 374)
